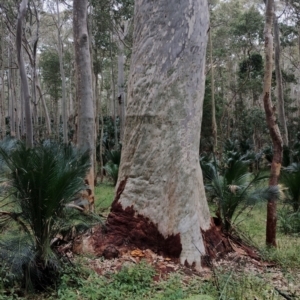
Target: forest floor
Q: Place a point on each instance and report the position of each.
(236, 276)
(142, 274)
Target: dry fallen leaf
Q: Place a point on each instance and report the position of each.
(137, 253)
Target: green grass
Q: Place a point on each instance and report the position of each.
(253, 224)
(104, 196)
(136, 281)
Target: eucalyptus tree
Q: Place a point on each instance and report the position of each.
(272, 125)
(86, 118)
(23, 75)
(63, 77)
(280, 96)
(160, 200)
(236, 28)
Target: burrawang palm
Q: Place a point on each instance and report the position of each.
(43, 181)
(234, 189)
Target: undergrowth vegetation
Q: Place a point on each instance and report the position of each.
(78, 280)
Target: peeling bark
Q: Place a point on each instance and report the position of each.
(160, 162)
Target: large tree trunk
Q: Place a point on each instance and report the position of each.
(23, 75)
(86, 119)
(160, 198)
(280, 97)
(272, 125)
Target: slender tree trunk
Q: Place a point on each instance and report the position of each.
(86, 118)
(63, 78)
(114, 105)
(213, 104)
(2, 95)
(11, 96)
(23, 75)
(101, 130)
(272, 125)
(280, 97)
(121, 94)
(47, 118)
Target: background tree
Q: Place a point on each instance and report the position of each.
(86, 119)
(272, 125)
(24, 82)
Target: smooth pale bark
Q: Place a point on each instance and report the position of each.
(11, 96)
(280, 97)
(46, 113)
(114, 104)
(272, 125)
(213, 104)
(86, 118)
(63, 78)
(160, 176)
(23, 75)
(2, 98)
(101, 130)
(121, 95)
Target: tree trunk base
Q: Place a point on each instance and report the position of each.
(127, 230)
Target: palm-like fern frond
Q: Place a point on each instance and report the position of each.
(291, 180)
(44, 180)
(235, 189)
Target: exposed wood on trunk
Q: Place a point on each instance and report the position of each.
(272, 125)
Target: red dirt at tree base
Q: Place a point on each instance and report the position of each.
(124, 226)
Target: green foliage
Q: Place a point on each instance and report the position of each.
(104, 196)
(252, 67)
(113, 158)
(43, 181)
(132, 282)
(289, 222)
(240, 285)
(234, 189)
(50, 70)
(248, 27)
(291, 180)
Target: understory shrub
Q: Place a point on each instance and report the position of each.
(289, 221)
(113, 158)
(234, 188)
(42, 182)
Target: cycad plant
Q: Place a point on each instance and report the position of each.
(43, 180)
(291, 181)
(234, 189)
(113, 158)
